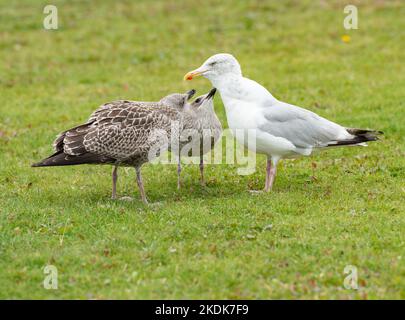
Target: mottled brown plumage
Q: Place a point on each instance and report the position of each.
(121, 133)
(201, 130)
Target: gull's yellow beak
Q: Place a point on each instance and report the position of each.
(193, 74)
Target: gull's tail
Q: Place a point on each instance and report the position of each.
(70, 150)
(360, 136)
(62, 159)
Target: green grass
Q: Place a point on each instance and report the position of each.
(219, 241)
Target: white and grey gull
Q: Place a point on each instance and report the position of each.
(282, 130)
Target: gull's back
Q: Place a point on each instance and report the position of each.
(121, 132)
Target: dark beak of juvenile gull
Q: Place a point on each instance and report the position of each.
(190, 93)
(211, 94)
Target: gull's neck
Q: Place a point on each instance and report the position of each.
(225, 81)
(206, 113)
(236, 87)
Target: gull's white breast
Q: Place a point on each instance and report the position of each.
(244, 119)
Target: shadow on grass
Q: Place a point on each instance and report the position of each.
(232, 186)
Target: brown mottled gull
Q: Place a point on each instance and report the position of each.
(121, 133)
(201, 130)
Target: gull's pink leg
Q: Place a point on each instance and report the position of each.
(114, 181)
(140, 185)
(270, 174)
(178, 174)
(202, 170)
(268, 169)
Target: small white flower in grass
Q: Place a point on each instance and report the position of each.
(268, 227)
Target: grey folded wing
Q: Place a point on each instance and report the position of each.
(303, 128)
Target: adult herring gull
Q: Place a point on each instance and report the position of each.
(282, 130)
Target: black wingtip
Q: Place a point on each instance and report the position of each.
(359, 136)
(36, 165)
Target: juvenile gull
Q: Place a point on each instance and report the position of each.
(282, 130)
(121, 133)
(201, 131)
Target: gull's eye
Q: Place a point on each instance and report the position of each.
(212, 64)
(198, 100)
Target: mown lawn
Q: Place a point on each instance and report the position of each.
(343, 207)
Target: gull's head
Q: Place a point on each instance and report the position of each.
(177, 100)
(216, 67)
(205, 101)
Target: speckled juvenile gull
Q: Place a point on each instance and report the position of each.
(282, 130)
(121, 133)
(201, 131)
